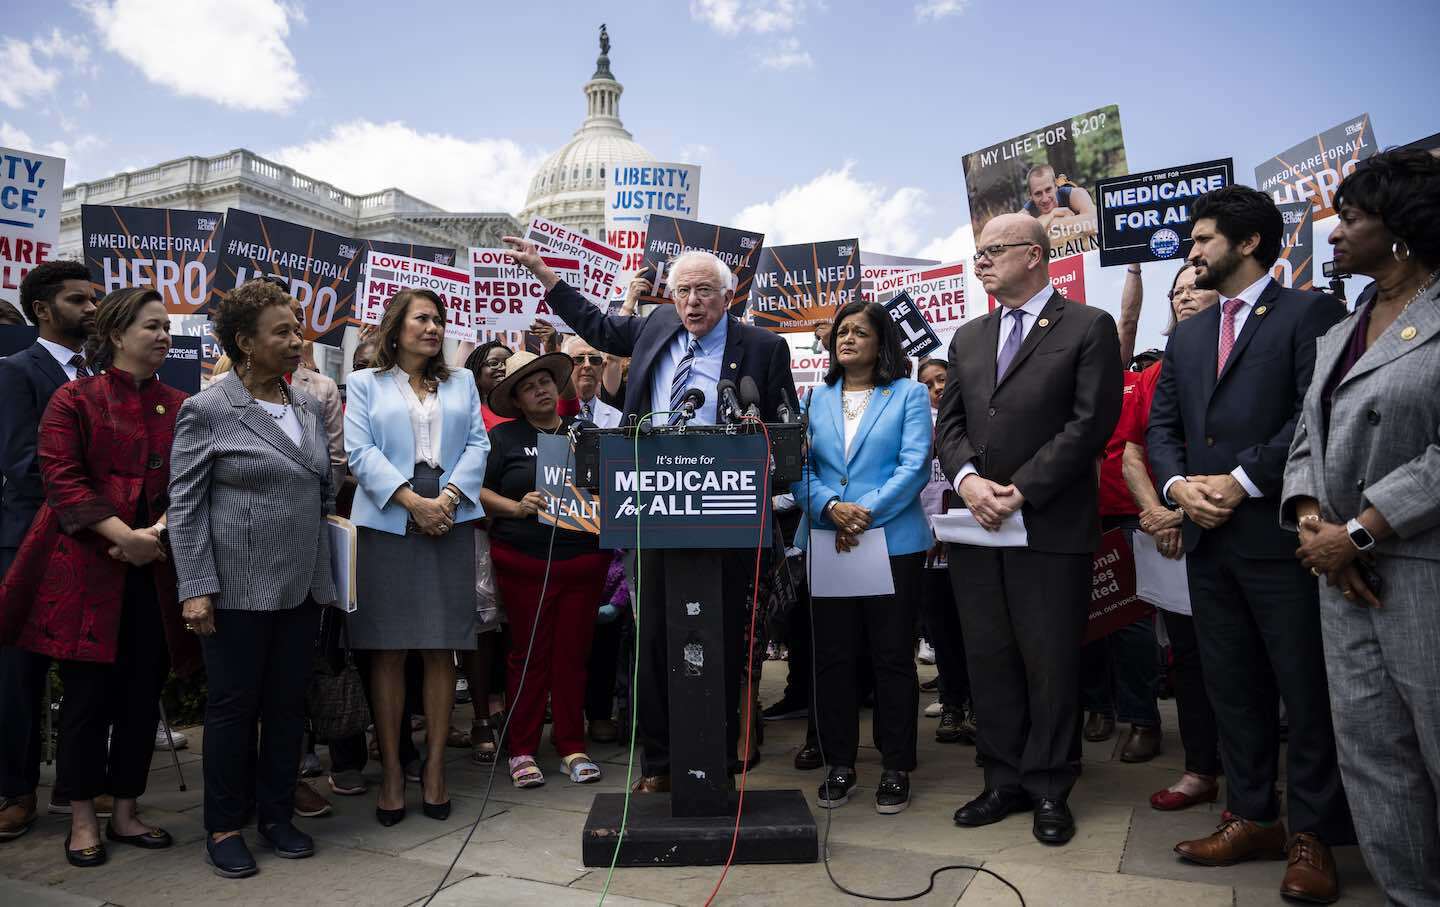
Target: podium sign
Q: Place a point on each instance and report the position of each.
(700, 491)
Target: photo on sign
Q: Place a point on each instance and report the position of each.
(1051, 174)
(668, 237)
(1314, 168)
(798, 287)
(1147, 216)
(172, 250)
(1295, 268)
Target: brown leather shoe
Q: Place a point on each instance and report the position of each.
(17, 814)
(652, 784)
(1142, 745)
(1310, 877)
(1099, 727)
(1235, 841)
(309, 803)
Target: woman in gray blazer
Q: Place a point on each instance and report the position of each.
(250, 487)
(1360, 487)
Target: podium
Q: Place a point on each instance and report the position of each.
(693, 493)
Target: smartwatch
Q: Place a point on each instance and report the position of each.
(1360, 537)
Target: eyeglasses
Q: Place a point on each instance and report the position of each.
(990, 253)
(589, 359)
(703, 293)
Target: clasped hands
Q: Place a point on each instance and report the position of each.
(139, 547)
(990, 502)
(1163, 525)
(433, 516)
(851, 521)
(1326, 550)
(1208, 500)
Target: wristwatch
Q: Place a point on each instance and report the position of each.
(1360, 537)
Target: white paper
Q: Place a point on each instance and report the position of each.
(342, 561)
(1159, 580)
(863, 570)
(960, 526)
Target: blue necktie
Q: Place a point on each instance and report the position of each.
(681, 382)
(1012, 343)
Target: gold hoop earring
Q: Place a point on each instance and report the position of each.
(1395, 248)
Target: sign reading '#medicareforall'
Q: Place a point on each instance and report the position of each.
(686, 491)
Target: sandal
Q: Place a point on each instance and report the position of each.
(582, 768)
(458, 737)
(525, 773)
(483, 748)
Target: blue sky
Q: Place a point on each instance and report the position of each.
(818, 118)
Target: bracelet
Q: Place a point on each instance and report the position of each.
(1309, 518)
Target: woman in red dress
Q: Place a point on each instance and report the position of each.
(91, 586)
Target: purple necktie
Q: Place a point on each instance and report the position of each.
(1012, 343)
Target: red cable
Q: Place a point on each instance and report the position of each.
(749, 673)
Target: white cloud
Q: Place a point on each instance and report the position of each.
(232, 52)
(80, 164)
(455, 173)
(836, 205)
(939, 9)
(24, 76)
(957, 245)
(731, 17)
(787, 54)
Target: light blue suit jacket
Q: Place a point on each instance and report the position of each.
(380, 445)
(888, 463)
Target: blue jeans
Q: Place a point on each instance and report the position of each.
(1120, 673)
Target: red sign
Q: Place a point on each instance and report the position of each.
(1113, 603)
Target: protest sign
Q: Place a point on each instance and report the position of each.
(199, 327)
(440, 255)
(809, 362)
(1295, 266)
(599, 263)
(869, 274)
(938, 292)
(1067, 276)
(669, 236)
(1146, 216)
(172, 250)
(1049, 173)
(1313, 169)
(180, 370)
(917, 337)
(798, 287)
(1113, 602)
(30, 187)
(572, 508)
(385, 274)
(507, 295)
(317, 268)
(635, 191)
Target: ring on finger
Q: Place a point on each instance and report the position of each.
(1314, 571)
(1348, 593)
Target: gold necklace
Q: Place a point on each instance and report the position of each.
(855, 412)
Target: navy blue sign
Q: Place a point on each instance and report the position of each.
(686, 491)
(1146, 216)
(181, 369)
(917, 337)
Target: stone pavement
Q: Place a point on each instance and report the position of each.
(526, 851)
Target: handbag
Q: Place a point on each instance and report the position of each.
(335, 700)
(489, 610)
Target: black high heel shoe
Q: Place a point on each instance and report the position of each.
(389, 817)
(440, 811)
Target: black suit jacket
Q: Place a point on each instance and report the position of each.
(1202, 423)
(749, 350)
(27, 379)
(1044, 427)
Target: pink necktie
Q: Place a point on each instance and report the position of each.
(1227, 331)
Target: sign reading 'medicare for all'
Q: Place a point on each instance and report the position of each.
(938, 292)
(507, 295)
(599, 262)
(635, 191)
(1147, 216)
(171, 250)
(30, 187)
(386, 274)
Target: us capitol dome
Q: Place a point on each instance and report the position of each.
(569, 186)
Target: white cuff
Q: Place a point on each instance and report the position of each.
(1165, 490)
(1238, 473)
(967, 470)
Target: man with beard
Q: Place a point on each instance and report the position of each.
(58, 299)
(1225, 410)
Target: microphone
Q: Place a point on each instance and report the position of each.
(694, 399)
(783, 412)
(730, 407)
(750, 394)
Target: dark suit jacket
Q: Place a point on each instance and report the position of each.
(1045, 425)
(749, 350)
(27, 380)
(1207, 424)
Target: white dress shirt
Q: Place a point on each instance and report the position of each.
(1032, 308)
(62, 355)
(704, 372)
(1249, 296)
(425, 419)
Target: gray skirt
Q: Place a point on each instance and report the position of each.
(415, 591)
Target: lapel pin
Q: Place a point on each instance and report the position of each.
(1044, 322)
(160, 407)
(1409, 333)
(734, 365)
(1261, 310)
(885, 392)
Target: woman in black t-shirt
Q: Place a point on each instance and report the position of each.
(559, 646)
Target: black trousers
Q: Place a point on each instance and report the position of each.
(942, 624)
(258, 663)
(1023, 616)
(1258, 625)
(1198, 733)
(800, 664)
(119, 701)
(651, 700)
(23, 676)
(603, 667)
(884, 627)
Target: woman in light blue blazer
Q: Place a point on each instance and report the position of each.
(417, 448)
(869, 459)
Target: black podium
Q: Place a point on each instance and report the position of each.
(694, 492)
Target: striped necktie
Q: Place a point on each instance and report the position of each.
(77, 362)
(681, 382)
